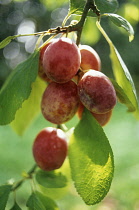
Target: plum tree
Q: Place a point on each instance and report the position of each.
(50, 148)
(89, 58)
(60, 102)
(61, 60)
(102, 119)
(96, 92)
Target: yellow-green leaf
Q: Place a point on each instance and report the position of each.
(91, 160)
(122, 22)
(121, 73)
(17, 88)
(30, 108)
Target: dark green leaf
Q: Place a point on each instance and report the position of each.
(122, 22)
(34, 203)
(51, 179)
(30, 108)
(122, 96)
(91, 160)
(15, 207)
(122, 74)
(105, 6)
(4, 195)
(6, 41)
(48, 203)
(17, 88)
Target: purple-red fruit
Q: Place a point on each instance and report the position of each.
(60, 102)
(41, 72)
(61, 60)
(50, 148)
(89, 58)
(96, 92)
(102, 119)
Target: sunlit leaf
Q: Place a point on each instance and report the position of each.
(91, 160)
(4, 195)
(17, 88)
(34, 203)
(121, 73)
(30, 108)
(122, 96)
(122, 22)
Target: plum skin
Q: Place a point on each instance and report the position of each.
(102, 119)
(89, 58)
(61, 60)
(59, 102)
(41, 72)
(96, 92)
(50, 148)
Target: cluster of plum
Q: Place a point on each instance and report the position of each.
(75, 82)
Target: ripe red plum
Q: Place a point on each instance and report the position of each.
(60, 102)
(61, 60)
(89, 58)
(96, 92)
(50, 148)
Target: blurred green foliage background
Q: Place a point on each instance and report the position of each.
(29, 16)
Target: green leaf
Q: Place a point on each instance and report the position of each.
(4, 195)
(48, 203)
(34, 203)
(6, 41)
(122, 22)
(17, 88)
(15, 207)
(122, 96)
(105, 6)
(121, 73)
(51, 179)
(30, 108)
(91, 160)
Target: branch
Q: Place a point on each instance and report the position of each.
(28, 176)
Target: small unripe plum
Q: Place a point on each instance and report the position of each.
(61, 60)
(89, 58)
(60, 102)
(50, 148)
(41, 72)
(102, 119)
(96, 92)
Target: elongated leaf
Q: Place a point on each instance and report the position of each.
(17, 88)
(4, 195)
(48, 203)
(34, 203)
(121, 73)
(30, 108)
(51, 179)
(122, 22)
(105, 6)
(91, 160)
(6, 41)
(122, 96)
(15, 207)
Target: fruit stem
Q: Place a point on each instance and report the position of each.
(27, 176)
